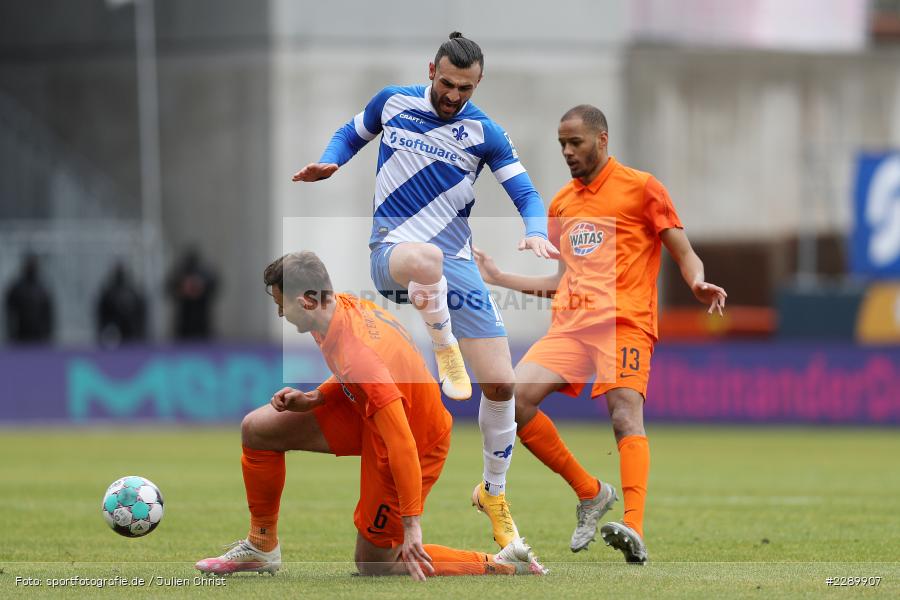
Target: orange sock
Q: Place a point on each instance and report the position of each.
(541, 437)
(264, 482)
(634, 466)
(449, 561)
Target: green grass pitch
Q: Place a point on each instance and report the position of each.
(732, 512)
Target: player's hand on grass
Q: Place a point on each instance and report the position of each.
(710, 294)
(295, 400)
(412, 552)
(489, 270)
(542, 248)
(315, 172)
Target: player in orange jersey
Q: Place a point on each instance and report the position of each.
(381, 404)
(609, 223)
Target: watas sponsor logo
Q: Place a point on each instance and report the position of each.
(585, 238)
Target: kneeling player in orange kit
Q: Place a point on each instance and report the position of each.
(380, 404)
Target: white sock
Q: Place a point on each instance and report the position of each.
(431, 302)
(497, 421)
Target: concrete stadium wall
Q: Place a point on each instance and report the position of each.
(759, 145)
(216, 186)
(72, 66)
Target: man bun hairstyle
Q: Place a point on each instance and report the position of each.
(590, 115)
(460, 51)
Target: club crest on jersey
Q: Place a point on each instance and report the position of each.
(585, 238)
(460, 133)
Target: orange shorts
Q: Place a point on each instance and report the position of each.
(579, 357)
(377, 514)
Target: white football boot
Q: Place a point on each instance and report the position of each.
(519, 554)
(242, 556)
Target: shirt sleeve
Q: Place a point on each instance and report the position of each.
(368, 373)
(658, 209)
(330, 389)
(403, 456)
(503, 159)
(356, 133)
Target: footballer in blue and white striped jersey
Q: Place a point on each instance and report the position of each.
(427, 166)
(434, 144)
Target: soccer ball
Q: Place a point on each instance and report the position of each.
(132, 506)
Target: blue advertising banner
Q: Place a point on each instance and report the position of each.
(201, 384)
(728, 382)
(875, 244)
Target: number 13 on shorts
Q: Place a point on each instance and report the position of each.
(631, 358)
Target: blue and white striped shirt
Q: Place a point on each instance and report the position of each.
(427, 168)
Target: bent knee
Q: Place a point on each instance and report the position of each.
(627, 428)
(427, 262)
(252, 430)
(498, 391)
(370, 568)
(527, 396)
(365, 569)
(247, 430)
(625, 423)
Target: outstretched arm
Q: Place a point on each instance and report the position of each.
(543, 286)
(678, 245)
(344, 145)
(347, 141)
(315, 172)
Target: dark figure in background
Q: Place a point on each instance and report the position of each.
(121, 310)
(193, 287)
(29, 307)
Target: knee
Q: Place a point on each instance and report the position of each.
(622, 428)
(526, 407)
(428, 263)
(527, 396)
(251, 435)
(627, 421)
(365, 568)
(502, 391)
(368, 567)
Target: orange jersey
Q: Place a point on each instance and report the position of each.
(374, 361)
(608, 236)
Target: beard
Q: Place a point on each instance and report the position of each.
(588, 165)
(436, 103)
